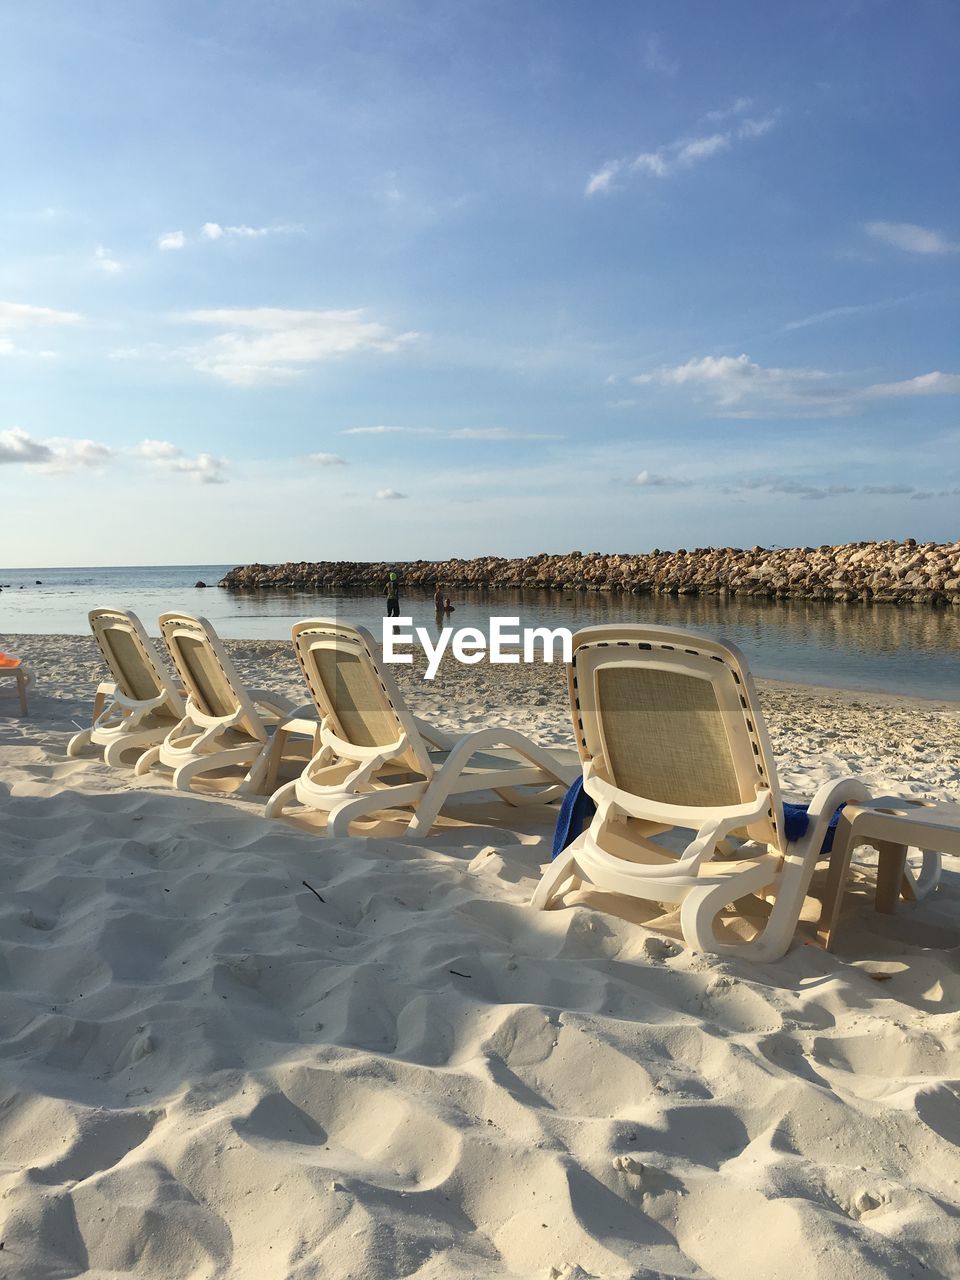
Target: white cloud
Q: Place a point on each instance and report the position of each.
(739, 387)
(602, 180)
(792, 487)
(924, 495)
(271, 344)
(103, 261)
(736, 108)
(497, 433)
(926, 384)
(171, 240)
(207, 468)
(756, 128)
(653, 480)
(215, 231)
(795, 486)
(19, 315)
(157, 450)
(686, 152)
(456, 433)
(732, 380)
(77, 455)
(911, 238)
(326, 459)
(838, 313)
(691, 152)
(389, 495)
(17, 446)
(55, 455)
(388, 431)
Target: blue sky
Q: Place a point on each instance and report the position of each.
(354, 280)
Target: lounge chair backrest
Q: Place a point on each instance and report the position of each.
(129, 653)
(353, 690)
(207, 673)
(675, 718)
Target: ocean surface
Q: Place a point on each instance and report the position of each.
(913, 651)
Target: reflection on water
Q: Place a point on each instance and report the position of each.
(913, 650)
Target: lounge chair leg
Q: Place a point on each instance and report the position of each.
(280, 799)
(563, 868)
(79, 741)
(183, 776)
(389, 798)
(146, 762)
(252, 784)
(428, 810)
(338, 824)
(700, 908)
(917, 886)
(113, 753)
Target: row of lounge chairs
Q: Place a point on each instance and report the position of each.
(368, 752)
(668, 728)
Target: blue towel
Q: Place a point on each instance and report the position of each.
(576, 812)
(796, 819)
(578, 809)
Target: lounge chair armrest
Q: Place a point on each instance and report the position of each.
(711, 837)
(829, 797)
(304, 711)
(702, 848)
(607, 796)
(834, 793)
(434, 736)
(349, 751)
(274, 701)
(483, 739)
(305, 725)
(105, 689)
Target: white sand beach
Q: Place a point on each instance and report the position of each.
(209, 1070)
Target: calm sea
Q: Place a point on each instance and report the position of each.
(894, 650)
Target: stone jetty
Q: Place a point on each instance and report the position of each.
(907, 572)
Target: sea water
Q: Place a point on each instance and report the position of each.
(894, 649)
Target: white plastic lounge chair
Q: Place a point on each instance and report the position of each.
(142, 704)
(374, 756)
(224, 724)
(671, 736)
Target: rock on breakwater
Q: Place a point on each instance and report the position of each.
(886, 572)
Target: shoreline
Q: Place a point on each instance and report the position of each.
(25, 644)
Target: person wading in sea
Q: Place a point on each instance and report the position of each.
(392, 592)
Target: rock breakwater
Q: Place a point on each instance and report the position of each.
(884, 572)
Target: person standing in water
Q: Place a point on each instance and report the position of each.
(392, 592)
(438, 603)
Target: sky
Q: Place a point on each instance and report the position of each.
(364, 279)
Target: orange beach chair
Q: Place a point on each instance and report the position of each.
(14, 667)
